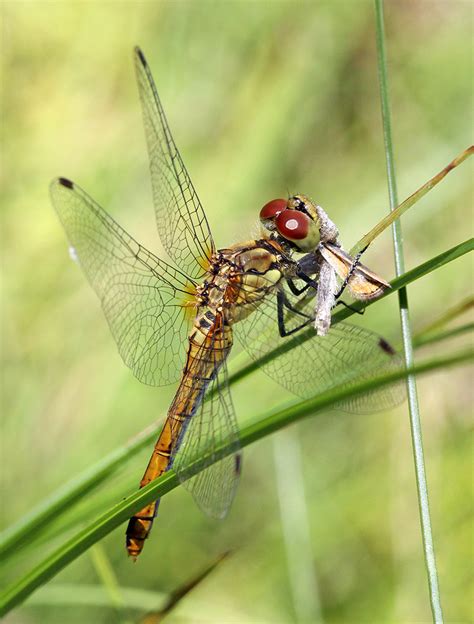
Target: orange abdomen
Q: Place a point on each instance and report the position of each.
(209, 346)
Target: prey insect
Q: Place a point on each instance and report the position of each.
(307, 227)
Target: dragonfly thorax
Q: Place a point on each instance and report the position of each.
(241, 274)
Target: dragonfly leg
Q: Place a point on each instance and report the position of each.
(309, 283)
(282, 303)
(349, 307)
(294, 288)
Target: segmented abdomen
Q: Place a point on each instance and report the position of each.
(210, 342)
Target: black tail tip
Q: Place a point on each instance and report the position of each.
(65, 182)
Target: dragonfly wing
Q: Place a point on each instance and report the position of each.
(212, 433)
(181, 221)
(146, 301)
(308, 364)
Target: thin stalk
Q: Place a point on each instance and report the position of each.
(415, 424)
(266, 424)
(60, 595)
(410, 201)
(423, 339)
(176, 597)
(32, 524)
(294, 517)
(107, 576)
(448, 315)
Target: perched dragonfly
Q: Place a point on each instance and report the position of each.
(175, 322)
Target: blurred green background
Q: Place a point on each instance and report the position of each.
(263, 98)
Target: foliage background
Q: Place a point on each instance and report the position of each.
(263, 98)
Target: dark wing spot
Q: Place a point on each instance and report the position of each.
(65, 182)
(386, 346)
(141, 56)
(238, 464)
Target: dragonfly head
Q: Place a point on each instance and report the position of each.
(296, 220)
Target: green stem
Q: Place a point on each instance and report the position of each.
(259, 428)
(415, 424)
(106, 574)
(423, 339)
(448, 315)
(31, 524)
(410, 201)
(76, 595)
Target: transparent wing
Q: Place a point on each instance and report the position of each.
(181, 221)
(146, 301)
(211, 430)
(308, 364)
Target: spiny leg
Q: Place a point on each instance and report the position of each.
(309, 283)
(350, 307)
(282, 303)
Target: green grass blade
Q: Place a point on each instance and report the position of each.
(445, 317)
(295, 526)
(410, 276)
(30, 526)
(74, 595)
(410, 201)
(433, 331)
(106, 574)
(415, 424)
(265, 425)
(423, 339)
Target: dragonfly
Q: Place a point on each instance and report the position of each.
(173, 321)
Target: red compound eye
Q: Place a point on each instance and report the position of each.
(273, 208)
(292, 224)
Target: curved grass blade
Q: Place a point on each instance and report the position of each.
(106, 574)
(60, 595)
(410, 201)
(433, 331)
(265, 425)
(444, 318)
(31, 524)
(421, 340)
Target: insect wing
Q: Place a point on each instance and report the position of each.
(145, 300)
(363, 284)
(307, 364)
(180, 217)
(212, 433)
